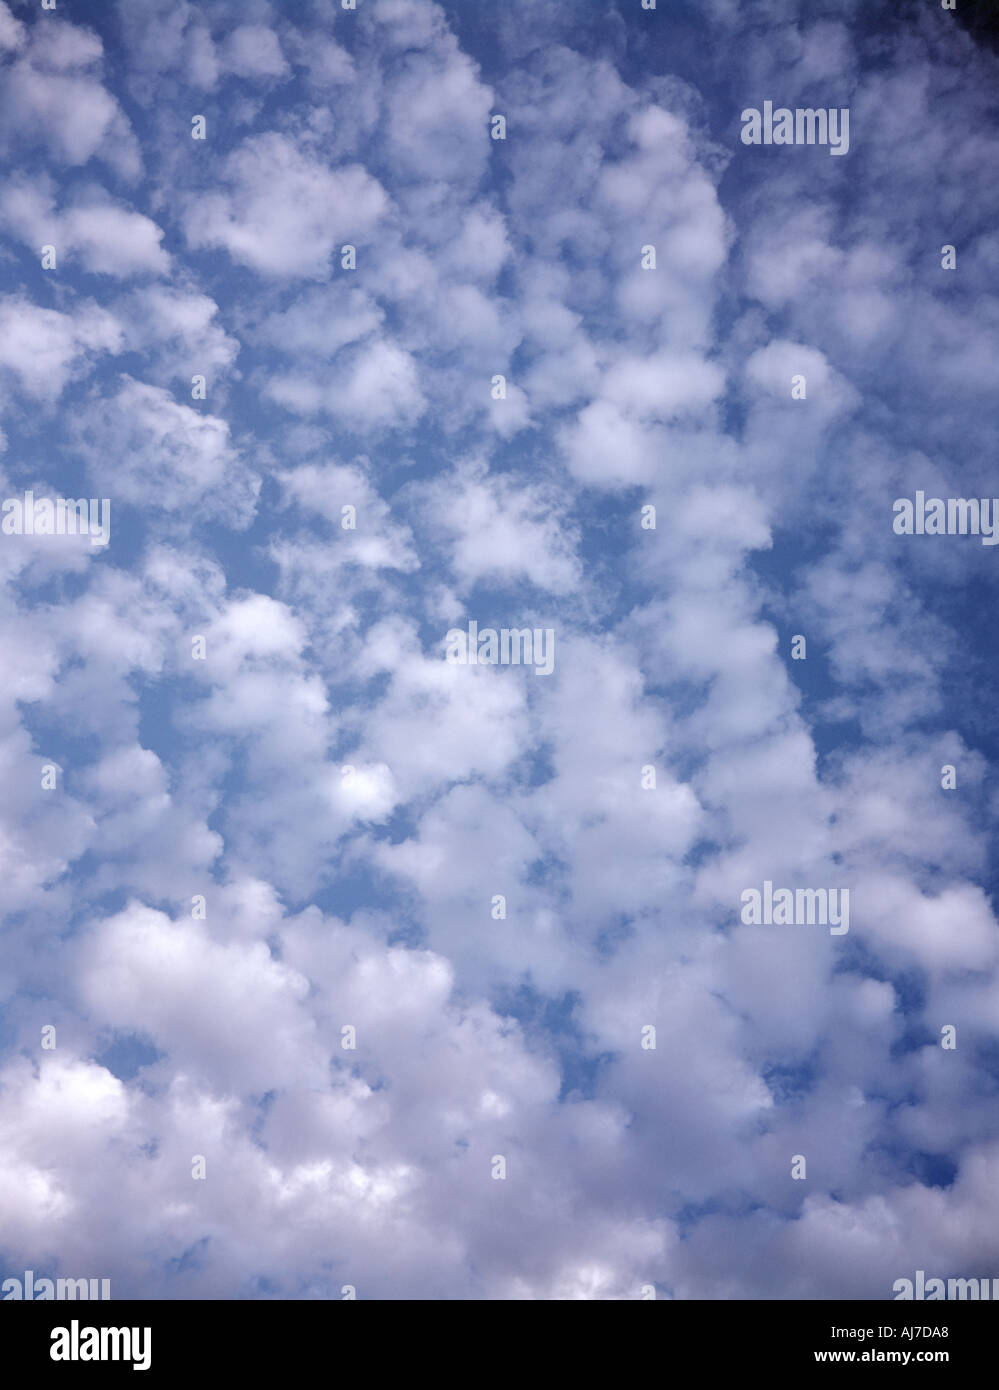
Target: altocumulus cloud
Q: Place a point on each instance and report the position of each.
(374, 322)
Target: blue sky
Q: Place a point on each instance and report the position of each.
(347, 802)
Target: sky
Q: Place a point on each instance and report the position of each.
(336, 967)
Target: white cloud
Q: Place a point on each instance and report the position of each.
(49, 97)
(103, 236)
(501, 529)
(350, 805)
(154, 453)
(283, 211)
(377, 387)
(44, 348)
(253, 50)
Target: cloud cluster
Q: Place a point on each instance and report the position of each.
(351, 924)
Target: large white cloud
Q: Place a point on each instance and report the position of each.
(283, 210)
